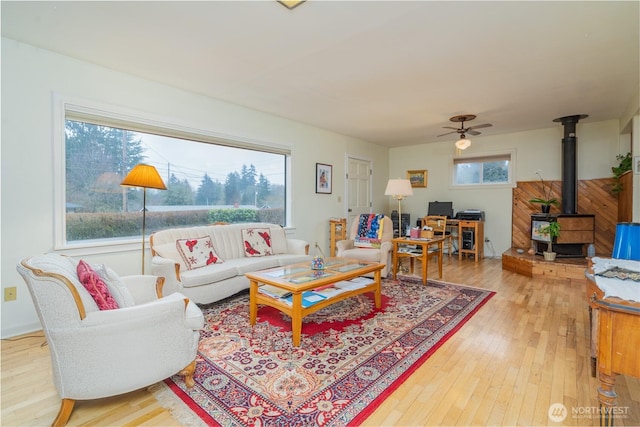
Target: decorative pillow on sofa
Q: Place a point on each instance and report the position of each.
(95, 286)
(369, 231)
(198, 252)
(116, 286)
(257, 242)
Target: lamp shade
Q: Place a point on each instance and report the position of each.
(145, 176)
(463, 143)
(398, 188)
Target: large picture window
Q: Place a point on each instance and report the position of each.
(486, 170)
(206, 181)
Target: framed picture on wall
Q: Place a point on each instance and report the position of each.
(418, 178)
(323, 178)
(636, 165)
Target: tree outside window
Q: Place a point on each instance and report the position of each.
(199, 191)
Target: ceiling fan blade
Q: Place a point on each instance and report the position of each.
(473, 132)
(448, 133)
(450, 127)
(486, 125)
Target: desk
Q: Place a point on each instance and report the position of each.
(615, 344)
(472, 246)
(424, 256)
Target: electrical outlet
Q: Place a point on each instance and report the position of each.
(486, 239)
(10, 294)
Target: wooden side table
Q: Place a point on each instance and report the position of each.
(423, 256)
(337, 232)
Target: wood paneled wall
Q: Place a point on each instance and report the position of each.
(625, 198)
(594, 197)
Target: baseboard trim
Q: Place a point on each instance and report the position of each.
(22, 330)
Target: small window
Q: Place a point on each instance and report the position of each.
(483, 170)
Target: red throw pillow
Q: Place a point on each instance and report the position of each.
(96, 287)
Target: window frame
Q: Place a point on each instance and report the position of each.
(65, 107)
(487, 155)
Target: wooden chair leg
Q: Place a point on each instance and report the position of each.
(187, 373)
(66, 407)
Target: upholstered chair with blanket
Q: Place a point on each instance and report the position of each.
(109, 335)
(369, 240)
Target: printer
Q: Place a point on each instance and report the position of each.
(470, 215)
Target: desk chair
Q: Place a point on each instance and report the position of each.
(439, 225)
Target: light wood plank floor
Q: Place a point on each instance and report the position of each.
(526, 349)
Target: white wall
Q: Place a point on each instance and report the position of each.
(31, 76)
(597, 147)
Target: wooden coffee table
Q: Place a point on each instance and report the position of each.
(298, 281)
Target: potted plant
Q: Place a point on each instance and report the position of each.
(553, 230)
(624, 165)
(546, 200)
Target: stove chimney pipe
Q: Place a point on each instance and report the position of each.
(569, 176)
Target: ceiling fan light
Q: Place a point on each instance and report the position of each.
(463, 143)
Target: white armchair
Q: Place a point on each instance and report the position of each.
(99, 353)
(382, 255)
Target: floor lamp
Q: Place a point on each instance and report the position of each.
(144, 176)
(399, 189)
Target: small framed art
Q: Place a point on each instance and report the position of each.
(418, 178)
(636, 165)
(323, 178)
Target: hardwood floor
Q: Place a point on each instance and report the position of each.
(526, 349)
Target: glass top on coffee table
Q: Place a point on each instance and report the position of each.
(302, 273)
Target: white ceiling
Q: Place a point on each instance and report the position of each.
(389, 72)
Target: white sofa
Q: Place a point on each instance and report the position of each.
(216, 281)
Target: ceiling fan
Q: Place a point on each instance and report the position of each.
(463, 143)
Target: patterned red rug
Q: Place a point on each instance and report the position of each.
(352, 355)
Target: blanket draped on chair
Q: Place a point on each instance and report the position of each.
(369, 230)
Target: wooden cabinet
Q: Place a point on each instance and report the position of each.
(615, 344)
(337, 231)
(471, 239)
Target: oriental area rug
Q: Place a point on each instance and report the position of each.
(352, 356)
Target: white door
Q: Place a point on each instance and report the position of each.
(359, 175)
